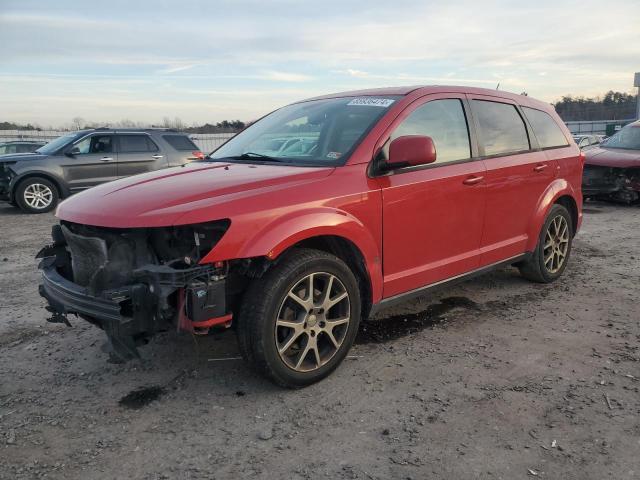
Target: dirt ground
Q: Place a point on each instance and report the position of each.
(496, 378)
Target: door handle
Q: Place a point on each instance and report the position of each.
(540, 167)
(106, 159)
(473, 180)
(156, 157)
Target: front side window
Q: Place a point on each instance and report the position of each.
(317, 132)
(136, 144)
(94, 144)
(445, 122)
(628, 137)
(54, 145)
(547, 130)
(502, 130)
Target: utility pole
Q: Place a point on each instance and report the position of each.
(636, 83)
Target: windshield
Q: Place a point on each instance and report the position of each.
(318, 132)
(55, 145)
(628, 137)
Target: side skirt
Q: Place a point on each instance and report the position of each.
(418, 292)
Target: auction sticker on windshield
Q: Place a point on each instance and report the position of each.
(371, 102)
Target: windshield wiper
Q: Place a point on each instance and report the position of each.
(247, 155)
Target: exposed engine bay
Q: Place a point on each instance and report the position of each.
(135, 282)
(611, 183)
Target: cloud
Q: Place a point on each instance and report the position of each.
(357, 73)
(285, 77)
(177, 68)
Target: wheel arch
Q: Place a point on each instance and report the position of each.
(558, 192)
(62, 192)
(570, 204)
(349, 253)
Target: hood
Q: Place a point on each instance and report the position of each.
(18, 157)
(203, 191)
(612, 157)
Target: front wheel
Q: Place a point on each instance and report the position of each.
(298, 321)
(551, 255)
(36, 195)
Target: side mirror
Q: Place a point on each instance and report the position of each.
(72, 152)
(411, 150)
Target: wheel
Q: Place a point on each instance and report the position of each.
(36, 195)
(298, 321)
(551, 255)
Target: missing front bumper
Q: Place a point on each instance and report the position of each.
(618, 184)
(151, 298)
(106, 311)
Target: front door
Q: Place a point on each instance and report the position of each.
(433, 214)
(92, 161)
(138, 153)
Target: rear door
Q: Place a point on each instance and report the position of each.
(517, 175)
(93, 162)
(432, 214)
(138, 153)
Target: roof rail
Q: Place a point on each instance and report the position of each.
(144, 129)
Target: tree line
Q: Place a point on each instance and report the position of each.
(613, 106)
(77, 123)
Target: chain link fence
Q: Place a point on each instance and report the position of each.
(207, 142)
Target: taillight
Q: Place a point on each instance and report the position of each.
(198, 154)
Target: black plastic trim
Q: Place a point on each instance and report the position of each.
(404, 297)
(67, 297)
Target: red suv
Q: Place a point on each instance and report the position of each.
(315, 217)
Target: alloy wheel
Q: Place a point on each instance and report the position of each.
(312, 322)
(556, 244)
(38, 196)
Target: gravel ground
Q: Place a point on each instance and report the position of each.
(496, 378)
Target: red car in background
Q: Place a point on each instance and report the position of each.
(387, 194)
(612, 170)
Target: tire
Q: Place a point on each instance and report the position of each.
(557, 230)
(289, 337)
(36, 195)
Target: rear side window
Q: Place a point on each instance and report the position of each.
(180, 142)
(444, 121)
(136, 144)
(546, 129)
(502, 130)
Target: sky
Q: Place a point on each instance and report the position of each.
(207, 61)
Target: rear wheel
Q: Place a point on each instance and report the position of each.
(36, 195)
(552, 252)
(299, 320)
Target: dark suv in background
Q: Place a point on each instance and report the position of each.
(80, 160)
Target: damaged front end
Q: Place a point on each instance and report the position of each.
(611, 183)
(135, 282)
